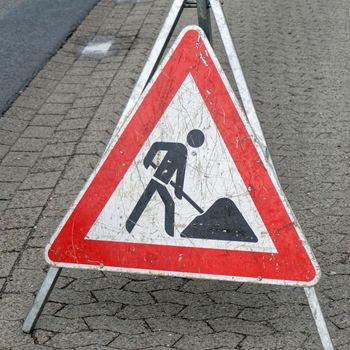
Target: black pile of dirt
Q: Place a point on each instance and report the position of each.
(222, 221)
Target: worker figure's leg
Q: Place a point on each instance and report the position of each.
(169, 209)
(141, 205)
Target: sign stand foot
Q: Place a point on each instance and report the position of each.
(319, 319)
(41, 298)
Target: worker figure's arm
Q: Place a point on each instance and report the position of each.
(155, 148)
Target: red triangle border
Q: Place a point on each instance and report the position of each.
(293, 264)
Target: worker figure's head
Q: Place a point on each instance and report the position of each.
(195, 138)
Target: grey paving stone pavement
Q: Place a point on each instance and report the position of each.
(295, 55)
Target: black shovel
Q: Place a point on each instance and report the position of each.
(222, 221)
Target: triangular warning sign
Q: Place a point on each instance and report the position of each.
(184, 188)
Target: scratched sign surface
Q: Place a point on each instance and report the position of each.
(184, 188)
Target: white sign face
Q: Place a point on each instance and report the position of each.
(210, 175)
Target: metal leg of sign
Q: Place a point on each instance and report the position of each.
(41, 298)
(319, 319)
(204, 18)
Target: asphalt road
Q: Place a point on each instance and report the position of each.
(30, 33)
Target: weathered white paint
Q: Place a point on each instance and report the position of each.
(210, 174)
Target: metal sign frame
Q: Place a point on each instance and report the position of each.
(147, 73)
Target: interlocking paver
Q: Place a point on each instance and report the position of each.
(12, 336)
(20, 159)
(137, 341)
(24, 279)
(87, 101)
(67, 135)
(79, 113)
(96, 284)
(43, 83)
(301, 323)
(10, 124)
(90, 148)
(93, 347)
(54, 108)
(3, 150)
(7, 261)
(19, 218)
(59, 149)
(13, 240)
(8, 189)
(73, 340)
(240, 298)
(29, 144)
(155, 284)
(29, 259)
(28, 102)
(69, 88)
(295, 57)
(207, 312)
(225, 324)
(199, 286)
(42, 336)
(51, 308)
(72, 124)
(178, 325)
(40, 180)
(173, 296)
(85, 310)
(62, 98)
(13, 307)
(39, 131)
(49, 164)
(134, 312)
(12, 174)
(116, 324)
(71, 297)
(20, 113)
(62, 325)
(8, 138)
(275, 341)
(270, 312)
(203, 342)
(30, 198)
(123, 296)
